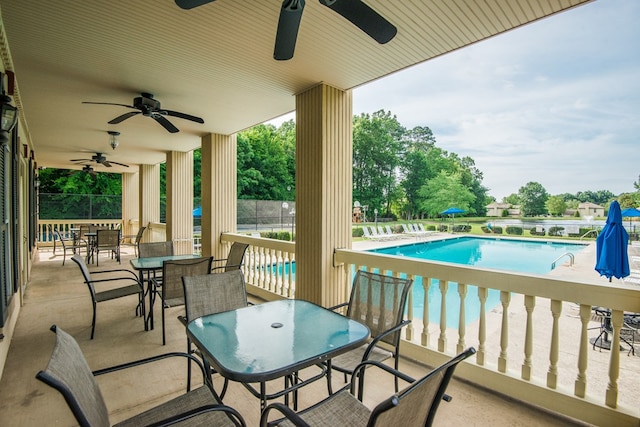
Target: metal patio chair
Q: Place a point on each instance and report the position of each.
(137, 238)
(234, 259)
(107, 240)
(416, 405)
(209, 294)
(379, 302)
(69, 373)
(68, 244)
(132, 286)
(170, 288)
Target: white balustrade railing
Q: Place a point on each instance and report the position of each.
(548, 364)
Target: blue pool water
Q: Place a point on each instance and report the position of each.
(501, 254)
(522, 256)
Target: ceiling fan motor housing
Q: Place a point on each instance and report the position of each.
(146, 103)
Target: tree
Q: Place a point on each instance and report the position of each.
(376, 157)
(556, 205)
(533, 197)
(512, 199)
(445, 191)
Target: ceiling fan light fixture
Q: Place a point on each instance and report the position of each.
(113, 139)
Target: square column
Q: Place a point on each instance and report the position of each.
(324, 145)
(149, 203)
(219, 191)
(180, 201)
(130, 199)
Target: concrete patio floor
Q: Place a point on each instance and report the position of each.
(57, 295)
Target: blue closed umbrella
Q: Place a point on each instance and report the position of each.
(197, 212)
(611, 246)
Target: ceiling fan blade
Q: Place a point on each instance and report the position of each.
(288, 24)
(80, 160)
(190, 4)
(363, 17)
(182, 116)
(123, 117)
(106, 163)
(165, 123)
(108, 103)
(119, 164)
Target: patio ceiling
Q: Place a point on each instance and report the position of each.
(214, 61)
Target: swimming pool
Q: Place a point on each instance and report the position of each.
(524, 256)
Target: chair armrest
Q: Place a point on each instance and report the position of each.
(235, 416)
(219, 259)
(284, 410)
(335, 307)
(221, 267)
(183, 320)
(123, 270)
(151, 359)
(113, 279)
(377, 339)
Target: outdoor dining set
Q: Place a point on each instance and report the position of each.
(291, 342)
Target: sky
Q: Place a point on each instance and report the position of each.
(555, 102)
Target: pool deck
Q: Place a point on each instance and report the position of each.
(582, 270)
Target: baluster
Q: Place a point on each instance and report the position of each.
(426, 283)
(250, 265)
(580, 386)
(462, 328)
(263, 267)
(442, 340)
(279, 267)
(410, 331)
(482, 330)
(290, 284)
(505, 299)
(529, 304)
(611, 397)
(552, 374)
(271, 263)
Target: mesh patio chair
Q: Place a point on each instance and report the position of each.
(132, 287)
(209, 294)
(416, 405)
(379, 302)
(68, 244)
(137, 238)
(69, 373)
(155, 249)
(108, 240)
(170, 288)
(234, 259)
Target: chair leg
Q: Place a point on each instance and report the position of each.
(163, 334)
(93, 322)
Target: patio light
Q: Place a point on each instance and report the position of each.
(113, 139)
(8, 113)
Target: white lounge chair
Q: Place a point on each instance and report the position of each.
(391, 233)
(366, 233)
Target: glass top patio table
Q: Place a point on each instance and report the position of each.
(148, 265)
(275, 339)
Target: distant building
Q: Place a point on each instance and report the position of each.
(496, 209)
(590, 209)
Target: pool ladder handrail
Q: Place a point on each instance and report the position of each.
(571, 259)
(589, 232)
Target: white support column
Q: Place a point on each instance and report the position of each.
(324, 144)
(180, 201)
(219, 191)
(149, 196)
(130, 202)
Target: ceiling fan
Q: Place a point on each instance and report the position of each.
(148, 106)
(88, 169)
(98, 158)
(355, 11)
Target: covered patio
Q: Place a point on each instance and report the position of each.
(215, 62)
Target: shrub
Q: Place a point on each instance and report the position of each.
(557, 231)
(535, 232)
(505, 213)
(485, 229)
(357, 232)
(497, 229)
(278, 235)
(512, 229)
(431, 227)
(461, 228)
(443, 228)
